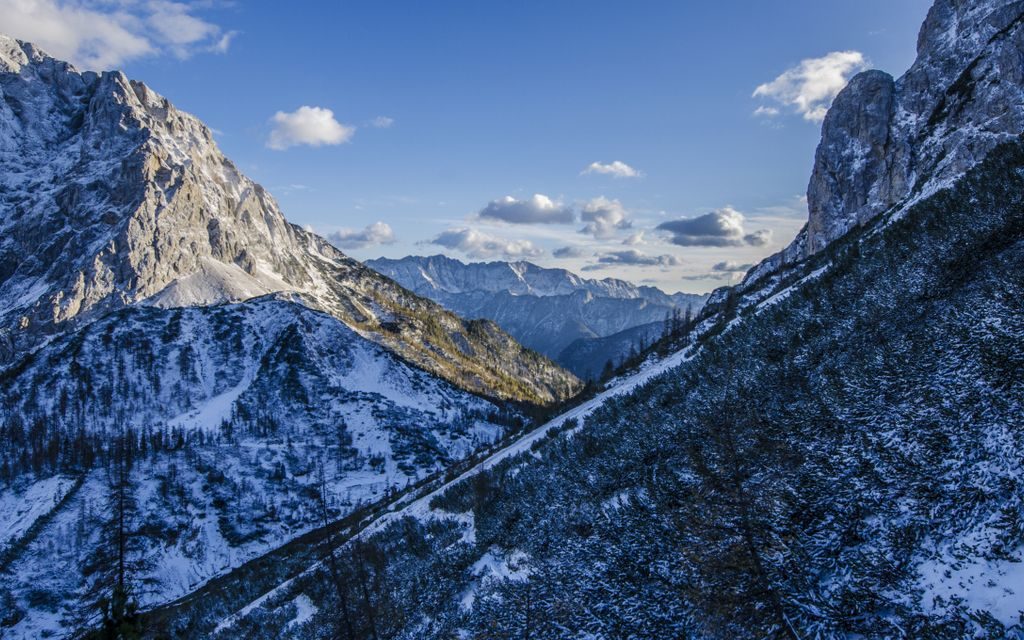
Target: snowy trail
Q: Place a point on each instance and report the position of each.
(419, 508)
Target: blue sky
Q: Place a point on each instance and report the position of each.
(488, 103)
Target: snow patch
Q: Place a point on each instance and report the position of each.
(215, 282)
(959, 573)
(19, 510)
(494, 565)
(304, 610)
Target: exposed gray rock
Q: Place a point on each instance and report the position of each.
(888, 143)
(884, 142)
(110, 197)
(852, 155)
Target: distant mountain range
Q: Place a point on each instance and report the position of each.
(553, 311)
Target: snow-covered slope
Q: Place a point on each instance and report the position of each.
(232, 411)
(420, 505)
(109, 196)
(544, 309)
(841, 458)
(837, 453)
(157, 308)
(438, 274)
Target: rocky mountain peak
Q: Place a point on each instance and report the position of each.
(885, 141)
(15, 54)
(110, 197)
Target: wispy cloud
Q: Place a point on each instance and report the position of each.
(105, 35)
(617, 169)
(731, 266)
(758, 238)
(635, 239)
(313, 126)
(809, 87)
(632, 257)
(382, 122)
(569, 252)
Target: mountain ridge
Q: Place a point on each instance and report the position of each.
(545, 309)
(113, 197)
(449, 275)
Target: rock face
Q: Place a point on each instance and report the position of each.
(544, 309)
(886, 141)
(854, 151)
(110, 197)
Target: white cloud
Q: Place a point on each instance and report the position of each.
(371, 235)
(538, 209)
(758, 238)
(617, 169)
(382, 122)
(313, 126)
(766, 112)
(635, 239)
(632, 257)
(810, 87)
(721, 228)
(104, 35)
(603, 217)
(477, 244)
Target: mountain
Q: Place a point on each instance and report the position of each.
(188, 382)
(111, 197)
(588, 357)
(544, 309)
(835, 451)
(231, 414)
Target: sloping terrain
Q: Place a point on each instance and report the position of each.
(837, 453)
(187, 380)
(233, 416)
(839, 459)
(588, 357)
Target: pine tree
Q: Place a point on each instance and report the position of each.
(115, 559)
(339, 580)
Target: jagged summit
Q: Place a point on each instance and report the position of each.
(110, 196)
(15, 54)
(888, 143)
(885, 141)
(444, 275)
